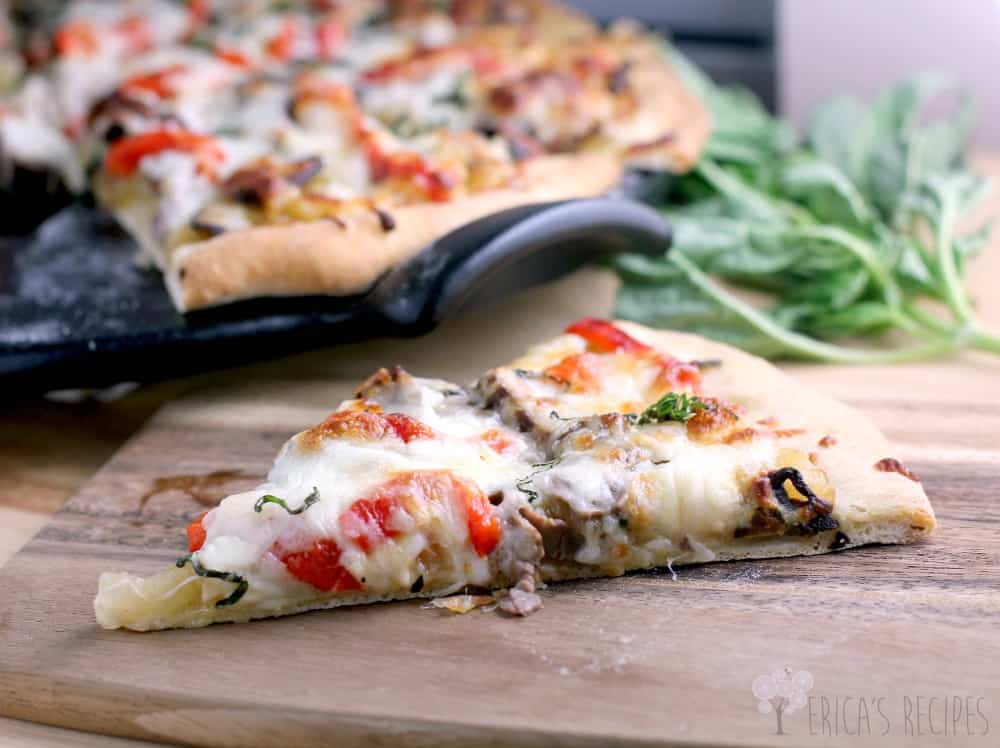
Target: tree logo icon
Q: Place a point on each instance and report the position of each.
(781, 692)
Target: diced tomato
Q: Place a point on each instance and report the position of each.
(603, 337)
(310, 85)
(124, 155)
(677, 375)
(418, 64)
(198, 12)
(76, 39)
(579, 371)
(407, 428)
(496, 440)
(319, 565)
(161, 83)
(330, 37)
(196, 534)
(486, 63)
(282, 45)
(366, 521)
(137, 32)
(370, 426)
(437, 184)
(484, 525)
(234, 57)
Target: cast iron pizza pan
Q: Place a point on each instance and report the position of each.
(77, 312)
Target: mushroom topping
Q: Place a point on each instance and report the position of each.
(218, 218)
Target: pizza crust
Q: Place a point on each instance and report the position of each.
(672, 127)
(338, 259)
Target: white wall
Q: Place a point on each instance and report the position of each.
(837, 46)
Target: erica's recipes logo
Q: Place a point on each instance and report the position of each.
(785, 691)
(781, 692)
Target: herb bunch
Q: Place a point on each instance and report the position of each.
(847, 233)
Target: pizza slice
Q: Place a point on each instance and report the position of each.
(607, 449)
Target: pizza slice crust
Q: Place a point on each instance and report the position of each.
(339, 259)
(156, 602)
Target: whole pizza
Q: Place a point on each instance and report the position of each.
(269, 148)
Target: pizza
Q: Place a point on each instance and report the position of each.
(610, 448)
(267, 148)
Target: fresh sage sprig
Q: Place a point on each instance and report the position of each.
(851, 232)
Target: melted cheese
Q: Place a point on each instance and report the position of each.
(344, 470)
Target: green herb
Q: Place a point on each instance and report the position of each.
(311, 499)
(851, 232)
(523, 485)
(456, 96)
(226, 576)
(674, 406)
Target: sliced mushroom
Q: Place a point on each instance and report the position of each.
(262, 180)
(218, 218)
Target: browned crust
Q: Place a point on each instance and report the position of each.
(672, 127)
(343, 258)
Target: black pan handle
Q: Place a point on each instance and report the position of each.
(509, 251)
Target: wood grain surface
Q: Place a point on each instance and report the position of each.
(645, 659)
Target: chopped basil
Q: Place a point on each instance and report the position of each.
(674, 406)
(523, 484)
(269, 499)
(226, 576)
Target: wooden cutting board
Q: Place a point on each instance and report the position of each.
(645, 659)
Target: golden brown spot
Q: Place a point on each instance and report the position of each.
(743, 435)
(785, 433)
(708, 423)
(827, 441)
(892, 465)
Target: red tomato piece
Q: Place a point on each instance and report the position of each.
(234, 57)
(160, 83)
(407, 428)
(311, 86)
(677, 375)
(196, 534)
(579, 371)
(198, 12)
(282, 45)
(330, 37)
(496, 440)
(319, 565)
(76, 38)
(437, 184)
(484, 525)
(366, 425)
(604, 337)
(124, 155)
(137, 33)
(365, 521)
